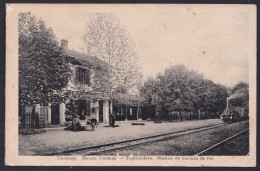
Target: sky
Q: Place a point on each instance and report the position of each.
(211, 39)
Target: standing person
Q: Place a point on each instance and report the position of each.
(93, 110)
(113, 120)
(82, 116)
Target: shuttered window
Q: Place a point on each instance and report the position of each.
(82, 75)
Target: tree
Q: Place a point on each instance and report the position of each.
(181, 90)
(106, 39)
(148, 91)
(179, 95)
(43, 68)
(173, 90)
(215, 99)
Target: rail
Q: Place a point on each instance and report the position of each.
(90, 150)
(221, 142)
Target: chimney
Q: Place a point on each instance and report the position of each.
(227, 102)
(64, 44)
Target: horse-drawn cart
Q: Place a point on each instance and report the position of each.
(76, 124)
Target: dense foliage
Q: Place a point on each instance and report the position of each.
(43, 69)
(181, 90)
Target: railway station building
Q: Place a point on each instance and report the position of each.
(94, 104)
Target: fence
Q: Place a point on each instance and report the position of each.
(29, 120)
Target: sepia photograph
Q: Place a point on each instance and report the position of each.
(135, 84)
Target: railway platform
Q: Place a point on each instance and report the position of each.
(57, 140)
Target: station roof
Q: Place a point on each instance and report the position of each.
(126, 99)
(80, 58)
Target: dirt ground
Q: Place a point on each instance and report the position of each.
(58, 140)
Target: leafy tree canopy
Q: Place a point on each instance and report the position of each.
(179, 89)
(43, 68)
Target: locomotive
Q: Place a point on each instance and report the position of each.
(230, 116)
(234, 114)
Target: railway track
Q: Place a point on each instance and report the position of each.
(98, 149)
(221, 142)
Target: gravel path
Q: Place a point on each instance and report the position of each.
(60, 140)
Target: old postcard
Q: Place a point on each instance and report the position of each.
(130, 85)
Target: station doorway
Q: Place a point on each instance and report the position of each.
(55, 114)
(100, 104)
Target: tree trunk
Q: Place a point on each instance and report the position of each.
(125, 112)
(180, 115)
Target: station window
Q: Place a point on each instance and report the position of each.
(82, 75)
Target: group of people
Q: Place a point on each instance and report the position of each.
(77, 125)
